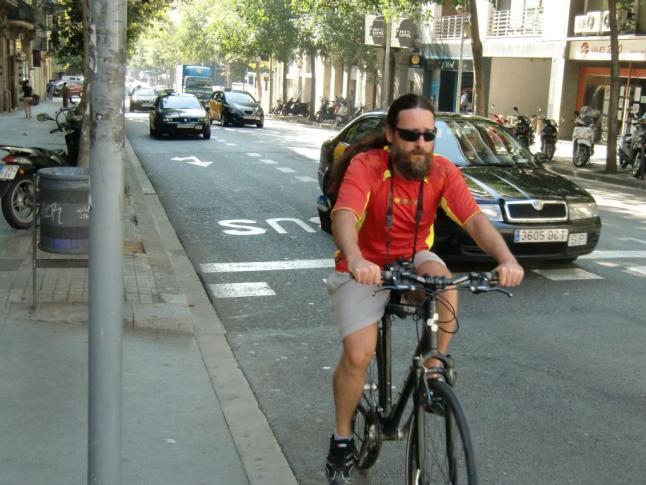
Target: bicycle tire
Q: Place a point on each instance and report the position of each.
(439, 423)
(366, 427)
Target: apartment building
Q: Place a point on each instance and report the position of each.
(551, 56)
(25, 49)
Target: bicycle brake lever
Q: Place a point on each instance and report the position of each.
(488, 289)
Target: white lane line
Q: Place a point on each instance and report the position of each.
(636, 270)
(567, 274)
(305, 178)
(269, 161)
(631, 239)
(614, 255)
(238, 290)
(286, 169)
(266, 265)
(312, 153)
(254, 154)
(230, 144)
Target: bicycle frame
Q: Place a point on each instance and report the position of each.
(390, 415)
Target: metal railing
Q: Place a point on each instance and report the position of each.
(449, 27)
(529, 22)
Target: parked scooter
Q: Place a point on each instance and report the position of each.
(341, 112)
(549, 137)
(19, 165)
(326, 111)
(278, 108)
(522, 129)
(632, 149)
(299, 108)
(583, 137)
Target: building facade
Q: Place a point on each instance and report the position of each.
(25, 48)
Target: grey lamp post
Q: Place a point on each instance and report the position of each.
(458, 90)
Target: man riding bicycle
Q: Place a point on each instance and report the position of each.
(386, 206)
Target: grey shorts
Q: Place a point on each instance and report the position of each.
(356, 306)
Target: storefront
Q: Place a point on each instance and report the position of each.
(594, 78)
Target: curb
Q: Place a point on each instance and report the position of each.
(261, 455)
(624, 179)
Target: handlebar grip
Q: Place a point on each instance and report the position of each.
(492, 276)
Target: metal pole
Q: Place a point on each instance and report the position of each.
(108, 59)
(459, 84)
(385, 88)
(625, 125)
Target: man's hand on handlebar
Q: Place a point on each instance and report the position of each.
(365, 272)
(510, 273)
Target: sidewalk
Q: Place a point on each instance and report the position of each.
(188, 415)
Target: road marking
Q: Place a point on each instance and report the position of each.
(195, 161)
(614, 255)
(638, 270)
(631, 239)
(266, 265)
(567, 274)
(311, 153)
(254, 154)
(238, 290)
(269, 161)
(305, 178)
(230, 144)
(286, 169)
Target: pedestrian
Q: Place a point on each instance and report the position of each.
(50, 90)
(27, 97)
(387, 202)
(464, 102)
(65, 93)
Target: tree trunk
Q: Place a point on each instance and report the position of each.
(285, 63)
(259, 81)
(476, 52)
(613, 103)
(313, 84)
(89, 59)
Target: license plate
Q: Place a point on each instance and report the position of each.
(186, 125)
(252, 118)
(578, 239)
(540, 235)
(8, 172)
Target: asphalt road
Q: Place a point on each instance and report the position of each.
(549, 379)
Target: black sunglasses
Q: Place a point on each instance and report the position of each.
(413, 135)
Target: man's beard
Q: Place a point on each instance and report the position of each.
(412, 169)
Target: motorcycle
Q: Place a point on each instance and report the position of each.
(299, 108)
(583, 135)
(632, 149)
(548, 137)
(326, 111)
(522, 129)
(19, 165)
(278, 108)
(340, 112)
(287, 107)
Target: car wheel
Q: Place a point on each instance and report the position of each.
(260, 124)
(223, 120)
(153, 132)
(207, 133)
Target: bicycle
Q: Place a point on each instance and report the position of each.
(438, 442)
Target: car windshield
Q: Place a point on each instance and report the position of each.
(181, 102)
(145, 92)
(472, 141)
(193, 82)
(239, 98)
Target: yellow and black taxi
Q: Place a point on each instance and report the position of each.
(179, 113)
(231, 107)
(542, 215)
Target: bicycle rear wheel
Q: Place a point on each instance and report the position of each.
(438, 448)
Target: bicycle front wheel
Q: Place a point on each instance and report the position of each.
(438, 448)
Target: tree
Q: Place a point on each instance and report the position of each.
(613, 102)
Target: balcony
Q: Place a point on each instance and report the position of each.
(21, 15)
(527, 23)
(449, 26)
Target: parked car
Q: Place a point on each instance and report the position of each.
(76, 88)
(179, 113)
(541, 215)
(142, 98)
(235, 108)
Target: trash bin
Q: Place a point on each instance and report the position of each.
(64, 209)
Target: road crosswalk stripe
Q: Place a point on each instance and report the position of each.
(305, 178)
(286, 169)
(238, 290)
(567, 274)
(267, 265)
(268, 161)
(601, 254)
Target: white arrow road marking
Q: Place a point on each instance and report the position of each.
(567, 274)
(269, 161)
(286, 169)
(196, 161)
(230, 144)
(237, 290)
(253, 154)
(266, 265)
(305, 178)
(637, 270)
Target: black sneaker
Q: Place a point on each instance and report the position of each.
(340, 461)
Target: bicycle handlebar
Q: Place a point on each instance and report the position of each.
(402, 278)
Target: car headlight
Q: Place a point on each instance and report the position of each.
(583, 210)
(491, 211)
